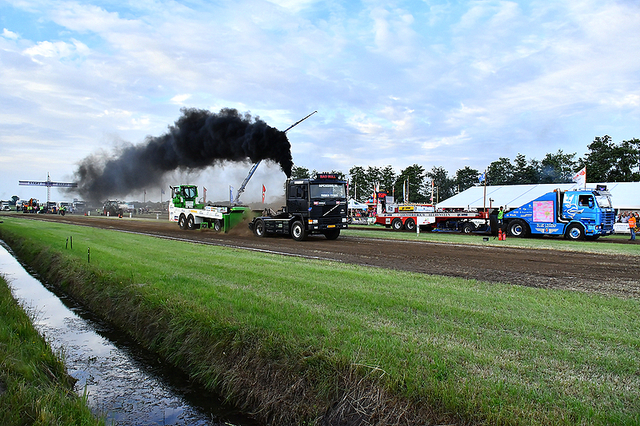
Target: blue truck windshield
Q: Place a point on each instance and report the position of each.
(604, 201)
(327, 190)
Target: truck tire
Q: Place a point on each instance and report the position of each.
(332, 234)
(518, 228)
(298, 232)
(258, 228)
(574, 232)
(397, 224)
(191, 223)
(216, 225)
(182, 221)
(467, 227)
(410, 225)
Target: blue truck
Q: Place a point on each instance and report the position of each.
(575, 214)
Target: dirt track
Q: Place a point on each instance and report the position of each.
(607, 274)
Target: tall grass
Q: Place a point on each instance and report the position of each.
(34, 386)
(302, 335)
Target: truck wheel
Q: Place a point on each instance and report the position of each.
(217, 226)
(397, 225)
(574, 232)
(191, 223)
(182, 222)
(518, 228)
(332, 234)
(297, 231)
(410, 225)
(258, 228)
(467, 227)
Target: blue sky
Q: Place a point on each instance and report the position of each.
(437, 83)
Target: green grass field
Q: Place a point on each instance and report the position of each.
(460, 350)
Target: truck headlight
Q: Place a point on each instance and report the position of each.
(344, 220)
(313, 221)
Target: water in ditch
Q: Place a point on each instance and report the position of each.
(123, 381)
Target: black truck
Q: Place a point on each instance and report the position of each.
(314, 206)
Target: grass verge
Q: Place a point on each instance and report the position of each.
(34, 386)
(541, 243)
(299, 341)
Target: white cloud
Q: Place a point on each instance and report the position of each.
(180, 99)
(9, 34)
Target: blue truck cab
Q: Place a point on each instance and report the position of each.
(576, 215)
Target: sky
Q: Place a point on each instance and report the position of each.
(436, 83)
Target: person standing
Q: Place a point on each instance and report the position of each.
(632, 227)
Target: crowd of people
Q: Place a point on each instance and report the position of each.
(631, 218)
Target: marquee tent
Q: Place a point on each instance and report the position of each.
(624, 195)
(354, 205)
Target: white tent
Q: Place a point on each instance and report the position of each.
(354, 205)
(624, 195)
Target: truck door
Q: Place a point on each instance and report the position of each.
(297, 198)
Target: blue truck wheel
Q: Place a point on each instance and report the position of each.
(575, 232)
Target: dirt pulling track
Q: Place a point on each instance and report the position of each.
(588, 272)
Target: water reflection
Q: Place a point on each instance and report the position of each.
(123, 381)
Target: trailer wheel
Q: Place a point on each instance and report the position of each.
(217, 226)
(332, 234)
(575, 232)
(467, 227)
(410, 225)
(397, 225)
(297, 231)
(182, 221)
(258, 228)
(191, 223)
(518, 228)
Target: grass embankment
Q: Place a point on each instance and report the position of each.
(300, 341)
(543, 243)
(34, 386)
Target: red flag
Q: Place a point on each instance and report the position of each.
(263, 191)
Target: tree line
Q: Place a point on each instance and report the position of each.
(605, 160)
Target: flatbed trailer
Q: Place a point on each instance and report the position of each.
(184, 209)
(406, 219)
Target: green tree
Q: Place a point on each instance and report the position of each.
(525, 172)
(300, 173)
(415, 176)
(557, 168)
(442, 184)
(466, 178)
(358, 183)
(500, 172)
(627, 167)
(599, 160)
(609, 162)
(387, 179)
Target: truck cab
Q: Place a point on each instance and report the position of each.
(185, 196)
(314, 206)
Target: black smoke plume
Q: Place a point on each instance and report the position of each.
(198, 139)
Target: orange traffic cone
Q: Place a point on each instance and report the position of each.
(499, 234)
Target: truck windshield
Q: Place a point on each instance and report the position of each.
(327, 190)
(189, 192)
(604, 201)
